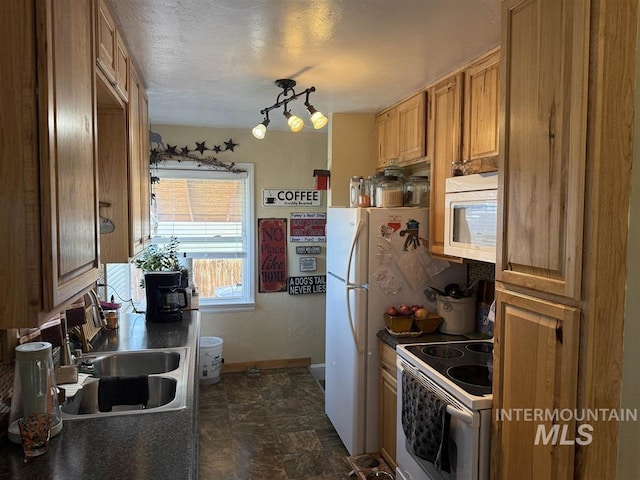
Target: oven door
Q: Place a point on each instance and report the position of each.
(468, 451)
(471, 221)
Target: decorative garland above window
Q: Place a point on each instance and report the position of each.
(160, 154)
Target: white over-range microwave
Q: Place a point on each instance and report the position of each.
(471, 216)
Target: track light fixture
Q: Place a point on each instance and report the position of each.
(260, 130)
(287, 95)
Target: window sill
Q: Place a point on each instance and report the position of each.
(207, 307)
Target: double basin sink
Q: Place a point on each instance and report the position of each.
(166, 369)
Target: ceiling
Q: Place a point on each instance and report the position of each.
(214, 62)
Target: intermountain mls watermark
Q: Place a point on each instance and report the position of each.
(553, 424)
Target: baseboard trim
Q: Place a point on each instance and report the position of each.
(317, 371)
(266, 364)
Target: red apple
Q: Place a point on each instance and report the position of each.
(392, 311)
(404, 310)
(414, 308)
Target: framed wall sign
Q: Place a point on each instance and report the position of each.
(308, 249)
(307, 227)
(307, 284)
(272, 255)
(308, 264)
(285, 197)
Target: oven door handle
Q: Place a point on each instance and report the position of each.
(468, 418)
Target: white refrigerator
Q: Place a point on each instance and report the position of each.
(376, 258)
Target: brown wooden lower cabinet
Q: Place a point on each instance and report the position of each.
(535, 379)
(388, 402)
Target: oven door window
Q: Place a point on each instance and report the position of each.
(475, 223)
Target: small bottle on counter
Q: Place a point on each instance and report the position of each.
(364, 200)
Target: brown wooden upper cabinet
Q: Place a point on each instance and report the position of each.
(481, 107)
(49, 240)
(542, 170)
(444, 123)
(111, 53)
(123, 152)
(400, 132)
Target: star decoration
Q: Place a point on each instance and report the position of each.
(217, 149)
(200, 147)
(230, 145)
(185, 150)
(171, 149)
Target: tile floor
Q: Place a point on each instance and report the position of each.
(268, 427)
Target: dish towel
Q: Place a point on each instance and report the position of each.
(425, 423)
(122, 391)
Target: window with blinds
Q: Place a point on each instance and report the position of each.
(211, 215)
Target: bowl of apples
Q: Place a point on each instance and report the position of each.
(399, 319)
(426, 322)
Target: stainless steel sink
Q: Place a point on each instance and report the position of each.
(167, 371)
(130, 364)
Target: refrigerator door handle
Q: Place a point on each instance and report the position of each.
(352, 286)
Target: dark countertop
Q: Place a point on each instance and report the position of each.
(145, 446)
(394, 340)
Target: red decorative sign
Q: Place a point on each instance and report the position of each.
(308, 227)
(272, 255)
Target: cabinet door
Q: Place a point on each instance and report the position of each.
(139, 186)
(481, 106)
(145, 175)
(122, 69)
(542, 144)
(388, 403)
(535, 370)
(386, 137)
(68, 159)
(135, 169)
(445, 126)
(106, 43)
(411, 129)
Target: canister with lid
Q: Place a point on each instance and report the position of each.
(394, 169)
(416, 191)
(354, 191)
(389, 192)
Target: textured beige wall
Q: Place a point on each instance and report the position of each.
(282, 325)
(351, 152)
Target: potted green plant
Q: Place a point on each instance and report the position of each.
(162, 258)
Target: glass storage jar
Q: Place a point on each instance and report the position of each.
(416, 191)
(374, 180)
(389, 192)
(394, 170)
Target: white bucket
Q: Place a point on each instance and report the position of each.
(210, 359)
(459, 314)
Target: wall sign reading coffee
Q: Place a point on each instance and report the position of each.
(284, 197)
(272, 255)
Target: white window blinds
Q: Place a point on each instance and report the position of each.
(207, 211)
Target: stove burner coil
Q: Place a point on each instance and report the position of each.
(480, 347)
(440, 351)
(477, 375)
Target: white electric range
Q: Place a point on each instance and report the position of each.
(460, 373)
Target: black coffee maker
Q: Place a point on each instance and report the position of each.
(165, 298)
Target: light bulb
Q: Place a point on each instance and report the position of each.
(295, 123)
(318, 120)
(259, 131)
